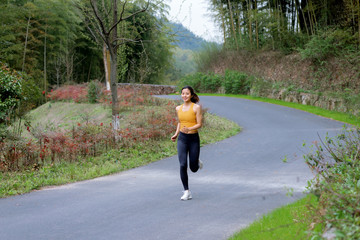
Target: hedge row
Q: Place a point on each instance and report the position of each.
(232, 82)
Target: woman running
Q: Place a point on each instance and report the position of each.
(189, 121)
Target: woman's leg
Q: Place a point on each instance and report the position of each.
(182, 148)
(194, 153)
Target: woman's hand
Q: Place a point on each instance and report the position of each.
(185, 130)
(173, 138)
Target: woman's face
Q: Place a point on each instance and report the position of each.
(186, 95)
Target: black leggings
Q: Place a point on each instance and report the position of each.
(188, 144)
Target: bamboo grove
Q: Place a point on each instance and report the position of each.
(283, 24)
(50, 41)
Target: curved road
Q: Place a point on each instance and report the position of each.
(243, 177)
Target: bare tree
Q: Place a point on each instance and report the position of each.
(105, 24)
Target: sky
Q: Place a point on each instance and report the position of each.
(195, 16)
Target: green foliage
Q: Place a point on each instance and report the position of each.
(319, 48)
(232, 82)
(10, 92)
(336, 162)
(328, 42)
(202, 82)
(94, 91)
(260, 87)
(284, 25)
(211, 83)
(51, 43)
(236, 82)
(146, 59)
(31, 95)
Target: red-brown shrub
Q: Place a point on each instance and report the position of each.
(149, 119)
(77, 93)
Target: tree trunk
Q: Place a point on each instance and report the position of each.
(223, 23)
(26, 40)
(358, 2)
(112, 45)
(239, 22)
(256, 26)
(107, 66)
(45, 77)
(250, 23)
(114, 96)
(232, 25)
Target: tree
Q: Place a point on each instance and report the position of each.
(105, 19)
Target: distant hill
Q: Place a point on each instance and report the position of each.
(185, 38)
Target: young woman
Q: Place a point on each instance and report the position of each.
(189, 121)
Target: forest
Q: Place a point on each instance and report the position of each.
(286, 24)
(51, 43)
(289, 49)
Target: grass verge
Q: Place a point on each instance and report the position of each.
(113, 161)
(338, 116)
(287, 222)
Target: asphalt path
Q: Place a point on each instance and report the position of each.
(243, 178)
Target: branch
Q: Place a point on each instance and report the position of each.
(94, 7)
(131, 15)
(107, 12)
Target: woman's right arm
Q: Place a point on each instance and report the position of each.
(173, 138)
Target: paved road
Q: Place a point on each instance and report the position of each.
(243, 177)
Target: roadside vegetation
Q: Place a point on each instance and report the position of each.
(239, 84)
(332, 205)
(287, 222)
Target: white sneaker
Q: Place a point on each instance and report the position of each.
(186, 196)
(200, 164)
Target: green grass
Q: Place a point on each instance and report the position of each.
(339, 116)
(64, 115)
(113, 161)
(287, 222)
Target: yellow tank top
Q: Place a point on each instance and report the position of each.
(187, 118)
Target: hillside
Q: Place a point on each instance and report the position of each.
(65, 115)
(185, 39)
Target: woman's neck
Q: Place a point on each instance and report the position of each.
(187, 103)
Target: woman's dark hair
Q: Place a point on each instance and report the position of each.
(195, 98)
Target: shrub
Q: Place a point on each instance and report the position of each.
(76, 93)
(260, 87)
(193, 80)
(202, 82)
(94, 90)
(50, 144)
(236, 82)
(31, 95)
(10, 91)
(336, 162)
(330, 42)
